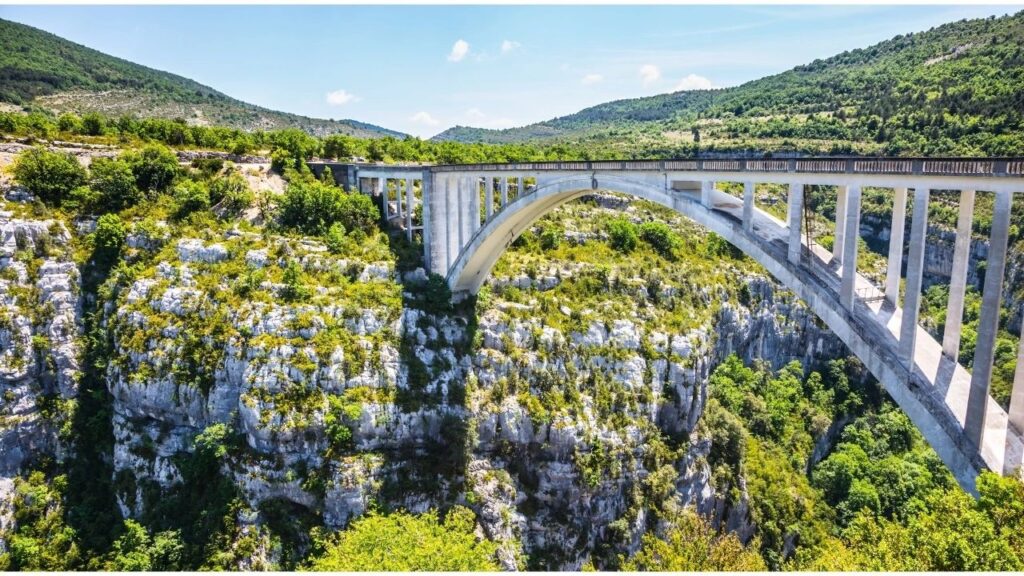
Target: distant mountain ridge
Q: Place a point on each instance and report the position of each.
(45, 70)
(957, 88)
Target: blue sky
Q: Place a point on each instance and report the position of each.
(421, 69)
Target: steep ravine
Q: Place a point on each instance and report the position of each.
(551, 418)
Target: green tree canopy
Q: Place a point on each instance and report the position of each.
(404, 542)
(49, 175)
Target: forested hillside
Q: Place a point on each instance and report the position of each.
(40, 69)
(955, 89)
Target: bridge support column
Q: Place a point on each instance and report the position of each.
(410, 199)
(839, 238)
(795, 218)
(384, 197)
(453, 219)
(988, 322)
(474, 206)
(433, 225)
(1017, 393)
(895, 263)
(958, 276)
(706, 190)
(489, 196)
(848, 284)
(915, 274)
(398, 198)
(504, 192)
(748, 207)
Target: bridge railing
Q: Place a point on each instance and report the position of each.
(992, 167)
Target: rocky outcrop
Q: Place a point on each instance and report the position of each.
(39, 345)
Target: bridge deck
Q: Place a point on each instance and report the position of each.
(1003, 449)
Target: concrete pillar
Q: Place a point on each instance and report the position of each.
(958, 277)
(431, 244)
(398, 198)
(452, 220)
(474, 206)
(847, 287)
(706, 189)
(915, 274)
(382, 183)
(748, 206)
(988, 322)
(1017, 393)
(489, 196)
(895, 264)
(795, 218)
(840, 236)
(504, 192)
(463, 207)
(410, 200)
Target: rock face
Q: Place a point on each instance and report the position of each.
(39, 346)
(340, 393)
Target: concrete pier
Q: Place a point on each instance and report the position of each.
(895, 262)
(748, 206)
(915, 277)
(849, 262)
(795, 203)
(988, 321)
(839, 238)
(958, 276)
(410, 201)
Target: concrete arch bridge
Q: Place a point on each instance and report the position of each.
(472, 213)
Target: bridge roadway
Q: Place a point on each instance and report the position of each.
(472, 213)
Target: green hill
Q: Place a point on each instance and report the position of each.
(40, 69)
(955, 89)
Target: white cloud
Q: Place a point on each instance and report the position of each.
(459, 50)
(340, 97)
(591, 79)
(649, 73)
(475, 117)
(509, 45)
(424, 118)
(694, 82)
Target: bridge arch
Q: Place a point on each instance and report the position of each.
(916, 395)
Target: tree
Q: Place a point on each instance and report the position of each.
(661, 238)
(155, 167)
(113, 180)
(109, 236)
(622, 235)
(191, 196)
(93, 124)
(49, 175)
(312, 207)
(404, 542)
(692, 545)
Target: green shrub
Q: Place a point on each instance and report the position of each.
(109, 236)
(295, 287)
(335, 238)
(622, 235)
(661, 238)
(113, 181)
(402, 542)
(49, 175)
(550, 238)
(312, 207)
(155, 167)
(190, 196)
